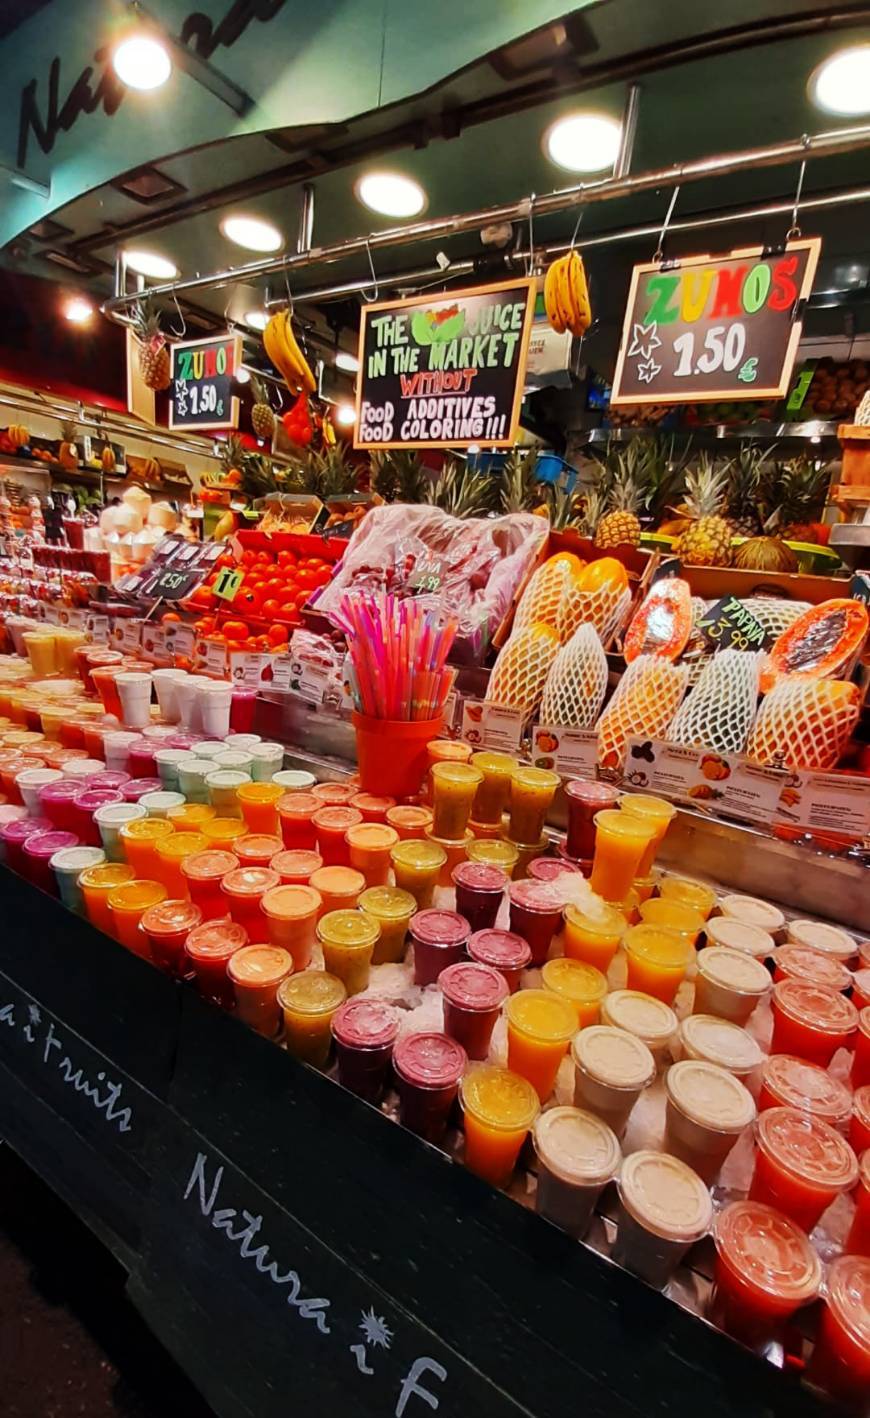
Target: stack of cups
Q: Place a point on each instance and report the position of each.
(134, 690)
(166, 686)
(215, 701)
(188, 702)
(116, 748)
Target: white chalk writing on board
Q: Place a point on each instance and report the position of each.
(100, 1090)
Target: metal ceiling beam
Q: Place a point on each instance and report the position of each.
(27, 184)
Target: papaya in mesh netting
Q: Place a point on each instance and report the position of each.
(663, 622)
(820, 643)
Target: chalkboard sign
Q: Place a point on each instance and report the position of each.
(729, 625)
(203, 373)
(444, 370)
(714, 327)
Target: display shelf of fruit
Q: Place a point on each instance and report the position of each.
(281, 574)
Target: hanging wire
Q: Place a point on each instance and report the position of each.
(576, 230)
(794, 230)
(377, 290)
(660, 249)
(179, 334)
(530, 268)
(290, 306)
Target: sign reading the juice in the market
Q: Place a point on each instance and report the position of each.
(444, 369)
(203, 373)
(714, 327)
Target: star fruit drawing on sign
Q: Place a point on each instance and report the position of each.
(645, 339)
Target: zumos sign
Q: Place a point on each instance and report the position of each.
(714, 327)
(444, 370)
(203, 372)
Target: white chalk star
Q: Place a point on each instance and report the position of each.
(646, 373)
(644, 340)
(375, 1329)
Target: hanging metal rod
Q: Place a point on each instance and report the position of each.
(104, 421)
(841, 140)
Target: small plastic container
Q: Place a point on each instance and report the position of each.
(472, 997)
(369, 845)
(243, 741)
(334, 794)
(688, 893)
(223, 786)
(135, 789)
(535, 914)
(811, 1021)
(222, 832)
(594, 939)
(826, 939)
(109, 779)
(172, 851)
(165, 686)
(364, 1032)
(495, 853)
(549, 868)
(96, 884)
(267, 759)
(339, 888)
(38, 849)
(657, 960)
(258, 803)
(730, 984)
(412, 823)
(789, 1082)
(295, 866)
(665, 1208)
(127, 906)
(658, 814)
(139, 839)
(766, 1269)
(257, 849)
(291, 920)
(68, 864)
(582, 985)
(56, 803)
(454, 786)
(257, 973)
(157, 804)
(428, 1068)
(296, 813)
(840, 1363)
(540, 1026)
(578, 1154)
(392, 909)
(532, 793)
(751, 911)
(622, 842)
(192, 774)
(585, 798)
(718, 1041)
(292, 780)
(642, 1015)
(493, 792)
(243, 891)
(347, 939)
(309, 1002)
(14, 834)
(208, 949)
(499, 1108)
(707, 1110)
(861, 989)
(674, 916)
(204, 871)
(480, 891)
(167, 761)
(167, 926)
(859, 1121)
(30, 781)
(611, 1070)
(81, 769)
(439, 939)
(505, 951)
(858, 1239)
(861, 1061)
(802, 1164)
(116, 748)
(86, 804)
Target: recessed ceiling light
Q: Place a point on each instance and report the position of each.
(583, 142)
(148, 263)
(142, 62)
(346, 361)
(78, 310)
(251, 233)
(390, 194)
(257, 319)
(842, 83)
(345, 415)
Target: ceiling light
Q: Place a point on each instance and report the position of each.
(345, 415)
(142, 62)
(257, 319)
(842, 83)
(148, 263)
(346, 361)
(251, 233)
(243, 376)
(390, 194)
(583, 142)
(78, 310)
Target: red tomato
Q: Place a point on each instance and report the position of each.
(236, 630)
(291, 616)
(225, 559)
(302, 595)
(275, 585)
(271, 608)
(277, 635)
(322, 576)
(287, 558)
(304, 577)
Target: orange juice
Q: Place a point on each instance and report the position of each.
(257, 972)
(259, 806)
(540, 1026)
(171, 852)
(392, 908)
(309, 1002)
(339, 888)
(410, 822)
(95, 884)
(688, 893)
(189, 817)
(594, 939)
(370, 844)
(657, 960)
(127, 906)
(499, 1108)
(223, 831)
(621, 839)
(139, 841)
(659, 815)
(416, 866)
(453, 788)
(673, 916)
(291, 918)
(580, 984)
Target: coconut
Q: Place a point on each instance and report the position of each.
(764, 554)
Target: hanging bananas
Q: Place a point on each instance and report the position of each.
(285, 354)
(566, 295)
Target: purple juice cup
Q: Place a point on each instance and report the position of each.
(428, 1068)
(138, 787)
(57, 801)
(505, 951)
(140, 758)
(473, 996)
(15, 834)
(548, 868)
(480, 890)
(38, 850)
(586, 798)
(364, 1032)
(536, 915)
(439, 939)
(86, 803)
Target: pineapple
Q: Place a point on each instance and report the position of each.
(707, 539)
(799, 494)
(620, 524)
(68, 453)
(233, 460)
(154, 364)
(460, 490)
(262, 417)
(398, 476)
(519, 490)
(594, 504)
(743, 490)
(663, 463)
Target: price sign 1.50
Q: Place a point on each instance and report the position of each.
(722, 348)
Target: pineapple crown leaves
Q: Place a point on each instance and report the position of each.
(460, 491)
(519, 481)
(68, 431)
(664, 466)
(398, 476)
(233, 454)
(146, 321)
(258, 475)
(794, 491)
(260, 391)
(565, 508)
(705, 487)
(626, 491)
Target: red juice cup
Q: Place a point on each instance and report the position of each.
(548, 868)
(257, 849)
(473, 996)
(257, 973)
(480, 891)
(85, 804)
(364, 1032)
(334, 794)
(861, 1061)
(810, 1021)
(296, 812)
(38, 849)
(802, 1164)
(330, 825)
(14, 835)
(136, 788)
(428, 1068)
(439, 939)
(243, 891)
(800, 962)
(536, 915)
(505, 951)
(859, 1121)
(291, 920)
(765, 1270)
(110, 778)
(861, 988)
(140, 758)
(204, 872)
(242, 706)
(167, 926)
(373, 807)
(296, 866)
(208, 949)
(858, 1239)
(789, 1082)
(841, 1359)
(586, 798)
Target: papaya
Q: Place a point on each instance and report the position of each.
(606, 571)
(820, 644)
(663, 622)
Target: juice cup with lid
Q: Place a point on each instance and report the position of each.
(39, 645)
(800, 962)
(109, 779)
(139, 839)
(222, 832)
(374, 807)
(658, 814)
(493, 792)
(347, 939)
(416, 867)
(439, 939)
(167, 761)
(621, 839)
(859, 1121)
(861, 1061)
(96, 883)
(732, 934)
(535, 914)
(486, 831)
(861, 989)
(292, 780)
(369, 846)
(673, 916)
(578, 1154)
(204, 871)
(171, 854)
(531, 796)
(257, 849)
(339, 888)
(267, 759)
(38, 850)
(586, 797)
(258, 803)
(428, 1068)
(81, 768)
(222, 785)
(729, 983)
(665, 1208)
(858, 1239)
(158, 803)
(688, 893)
(309, 1001)
(788, 1082)
(472, 996)
(392, 909)
(127, 905)
(480, 891)
(828, 940)
(334, 794)
(331, 825)
(136, 789)
(765, 1270)
(167, 926)
(505, 951)
(582, 985)
(454, 853)
(550, 868)
(707, 1110)
(494, 852)
(657, 960)
(14, 834)
(719, 1041)
(453, 789)
(611, 1070)
(243, 890)
(802, 1164)
(810, 1021)
(364, 1032)
(257, 973)
(499, 1108)
(752, 911)
(411, 822)
(208, 949)
(840, 1363)
(68, 864)
(30, 781)
(593, 938)
(540, 1026)
(447, 751)
(296, 866)
(291, 920)
(296, 812)
(192, 774)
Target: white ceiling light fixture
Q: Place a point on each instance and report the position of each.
(252, 233)
(345, 415)
(142, 62)
(149, 263)
(256, 319)
(390, 194)
(583, 142)
(841, 84)
(78, 311)
(347, 361)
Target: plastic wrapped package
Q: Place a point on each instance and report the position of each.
(475, 564)
(719, 711)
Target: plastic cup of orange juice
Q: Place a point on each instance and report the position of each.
(540, 1026)
(840, 1363)
(657, 960)
(593, 939)
(672, 916)
(765, 1270)
(258, 849)
(392, 909)
(411, 822)
(339, 888)
(203, 873)
(369, 845)
(688, 893)
(582, 985)
(95, 884)
(127, 905)
(257, 973)
(493, 793)
(291, 919)
(208, 949)
(295, 865)
(309, 1002)
(499, 1108)
(189, 817)
(373, 806)
(167, 926)
(788, 1082)
(171, 852)
(858, 1239)
(259, 806)
(611, 1070)
(665, 1208)
(243, 891)
(578, 1154)
(729, 984)
(802, 1164)
(621, 840)
(811, 1021)
(707, 1110)
(347, 939)
(416, 866)
(139, 840)
(222, 832)
(659, 814)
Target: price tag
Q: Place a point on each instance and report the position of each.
(173, 583)
(489, 725)
(154, 641)
(131, 635)
(726, 783)
(728, 625)
(859, 587)
(826, 802)
(426, 579)
(226, 587)
(52, 615)
(180, 639)
(282, 671)
(203, 374)
(96, 626)
(250, 668)
(571, 752)
(214, 657)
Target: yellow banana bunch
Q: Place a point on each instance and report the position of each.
(566, 295)
(285, 354)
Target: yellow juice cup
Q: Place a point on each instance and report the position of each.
(95, 884)
(259, 806)
(189, 817)
(139, 841)
(531, 794)
(455, 852)
(657, 960)
(52, 716)
(673, 916)
(339, 888)
(499, 1108)
(593, 939)
(582, 985)
(127, 906)
(453, 788)
(621, 839)
(171, 852)
(66, 642)
(347, 939)
(309, 1001)
(688, 893)
(370, 845)
(491, 798)
(39, 645)
(658, 813)
(416, 867)
(495, 853)
(540, 1026)
(223, 831)
(392, 909)
(643, 887)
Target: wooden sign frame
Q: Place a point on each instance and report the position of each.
(230, 424)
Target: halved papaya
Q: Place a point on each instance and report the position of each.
(820, 643)
(663, 623)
